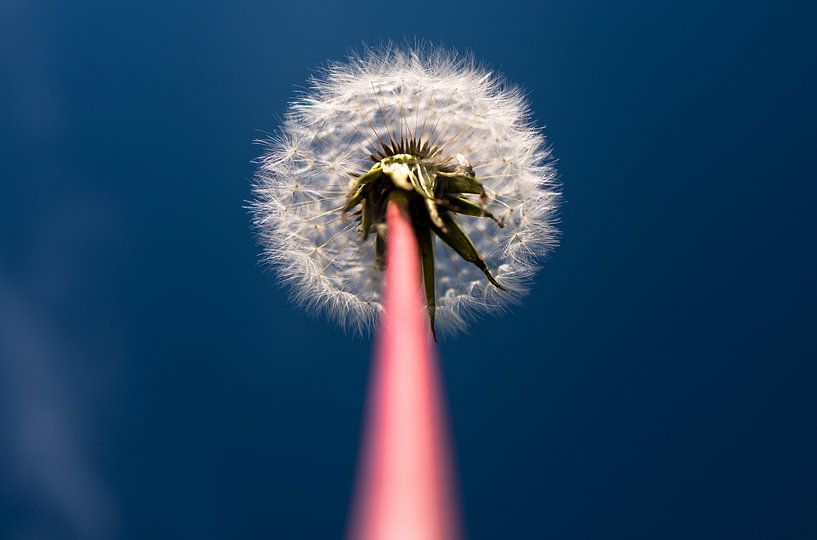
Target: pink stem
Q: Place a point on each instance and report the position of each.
(404, 488)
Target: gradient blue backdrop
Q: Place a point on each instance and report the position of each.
(659, 383)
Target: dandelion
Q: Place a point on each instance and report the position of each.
(450, 140)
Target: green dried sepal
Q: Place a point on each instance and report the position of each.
(355, 199)
(367, 217)
(455, 237)
(425, 242)
(468, 208)
(434, 213)
(459, 183)
(380, 251)
(427, 179)
(367, 178)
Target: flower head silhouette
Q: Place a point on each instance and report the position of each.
(453, 141)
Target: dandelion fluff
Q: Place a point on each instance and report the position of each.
(425, 118)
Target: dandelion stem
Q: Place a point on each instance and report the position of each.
(404, 488)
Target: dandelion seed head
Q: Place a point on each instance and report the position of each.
(331, 135)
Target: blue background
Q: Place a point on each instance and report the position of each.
(658, 383)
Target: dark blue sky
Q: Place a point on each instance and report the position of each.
(658, 383)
